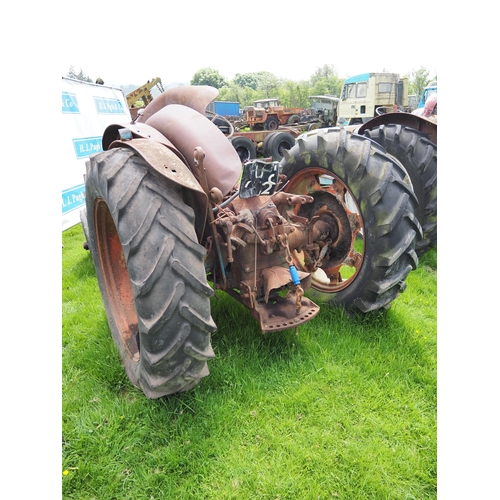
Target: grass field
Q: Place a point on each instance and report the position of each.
(345, 409)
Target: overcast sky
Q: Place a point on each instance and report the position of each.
(132, 42)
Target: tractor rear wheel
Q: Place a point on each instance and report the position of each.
(364, 212)
(418, 156)
(150, 270)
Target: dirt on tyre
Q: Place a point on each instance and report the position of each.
(150, 270)
(418, 155)
(365, 214)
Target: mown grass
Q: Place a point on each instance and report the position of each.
(345, 409)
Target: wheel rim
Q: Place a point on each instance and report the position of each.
(116, 278)
(272, 125)
(340, 220)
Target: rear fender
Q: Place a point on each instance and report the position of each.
(139, 131)
(197, 97)
(170, 166)
(407, 120)
(188, 129)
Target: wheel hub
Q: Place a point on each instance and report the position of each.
(338, 230)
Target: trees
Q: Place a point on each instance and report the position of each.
(325, 81)
(418, 80)
(294, 94)
(78, 76)
(268, 83)
(208, 76)
(245, 88)
(250, 80)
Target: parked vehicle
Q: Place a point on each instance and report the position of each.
(363, 94)
(142, 95)
(225, 108)
(430, 89)
(268, 114)
(171, 216)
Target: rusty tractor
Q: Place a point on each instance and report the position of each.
(268, 114)
(172, 215)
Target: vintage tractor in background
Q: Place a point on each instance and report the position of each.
(269, 114)
(171, 214)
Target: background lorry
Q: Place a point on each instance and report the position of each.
(432, 88)
(363, 94)
(229, 109)
(324, 110)
(171, 216)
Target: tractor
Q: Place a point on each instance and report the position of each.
(172, 215)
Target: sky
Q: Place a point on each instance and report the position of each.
(289, 39)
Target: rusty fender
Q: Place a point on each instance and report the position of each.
(170, 166)
(406, 120)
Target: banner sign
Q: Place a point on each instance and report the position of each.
(87, 109)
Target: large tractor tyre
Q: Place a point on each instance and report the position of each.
(277, 144)
(365, 214)
(418, 155)
(151, 273)
(244, 147)
(272, 123)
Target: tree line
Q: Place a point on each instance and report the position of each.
(248, 87)
(245, 88)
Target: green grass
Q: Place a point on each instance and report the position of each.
(345, 409)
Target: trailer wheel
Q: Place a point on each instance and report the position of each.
(244, 147)
(418, 156)
(366, 226)
(150, 270)
(277, 144)
(271, 123)
(265, 144)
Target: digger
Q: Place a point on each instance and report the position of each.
(172, 215)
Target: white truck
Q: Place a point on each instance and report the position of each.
(363, 94)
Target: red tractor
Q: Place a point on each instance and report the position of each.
(171, 215)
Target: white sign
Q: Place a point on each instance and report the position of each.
(87, 109)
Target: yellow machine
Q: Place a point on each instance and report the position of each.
(143, 93)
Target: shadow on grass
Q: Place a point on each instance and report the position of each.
(248, 361)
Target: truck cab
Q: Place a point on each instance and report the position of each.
(432, 88)
(363, 94)
(266, 103)
(324, 107)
